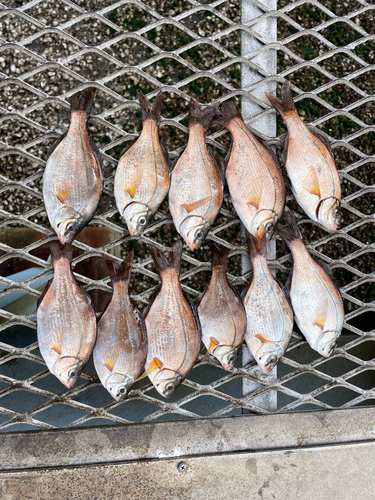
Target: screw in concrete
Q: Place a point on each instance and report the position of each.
(182, 466)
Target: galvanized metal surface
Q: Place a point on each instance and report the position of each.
(342, 471)
(45, 58)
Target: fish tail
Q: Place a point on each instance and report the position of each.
(83, 103)
(120, 272)
(149, 111)
(228, 111)
(59, 251)
(170, 261)
(286, 104)
(256, 246)
(290, 231)
(219, 257)
(201, 114)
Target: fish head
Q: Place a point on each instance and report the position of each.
(264, 222)
(68, 224)
(268, 355)
(67, 369)
(326, 343)
(227, 355)
(119, 385)
(328, 213)
(194, 229)
(166, 382)
(137, 216)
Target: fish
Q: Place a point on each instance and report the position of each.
(222, 313)
(66, 321)
(121, 346)
(73, 177)
(173, 327)
(255, 181)
(316, 300)
(197, 186)
(268, 310)
(310, 165)
(142, 177)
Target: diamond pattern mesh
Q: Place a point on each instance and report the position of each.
(50, 50)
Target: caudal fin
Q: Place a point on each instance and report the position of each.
(201, 114)
(84, 103)
(59, 251)
(227, 112)
(290, 231)
(257, 246)
(149, 111)
(169, 261)
(120, 272)
(286, 104)
(219, 257)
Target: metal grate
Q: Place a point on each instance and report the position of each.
(50, 50)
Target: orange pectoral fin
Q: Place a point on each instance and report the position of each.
(254, 202)
(154, 365)
(211, 347)
(321, 316)
(57, 349)
(312, 183)
(109, 365)
(62, 195)
(132, 189)
(193, 206)
(267, 341)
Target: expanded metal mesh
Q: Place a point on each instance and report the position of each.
(50, 50)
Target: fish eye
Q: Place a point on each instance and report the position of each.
(332, 347)
(272, 360)
(142, 221)
(199, 234)
(170, 387)
(269, 228)
(71, 227)
(336, 214)
(232, 358)
(72, 373)
(122, 390)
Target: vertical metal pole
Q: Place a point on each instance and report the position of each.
(266, 60)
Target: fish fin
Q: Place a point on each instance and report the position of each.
(59, 251)
(149, 111)
(57, 349)
(287, 286)
(211, 347)
(329, 272)
(55, 144)
(201, 114)
(219, 257)
(323, 138)
(247, 287)
(62, 196)
(286, 104)
(228, 111)
(170, 261)
(99, 156)
(153, 297)
(84, 103)
(154, 365)
(290, 231)
(126, 148)
(166, 156)
(257, 245)
(261, 338)
(120, 272)
(194, 311)
(219, 164)
(312, 182)
(189, 207)
(322, 312)
(109, 365)
(131, 190)
(270, 151)
(44, 293)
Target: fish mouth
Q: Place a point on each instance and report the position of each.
(69, 385)
(193, 246)
(63, 239)
(226, 367)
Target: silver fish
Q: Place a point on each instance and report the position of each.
(316, 300)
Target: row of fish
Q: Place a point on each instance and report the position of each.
(73, 178)
(165, 343)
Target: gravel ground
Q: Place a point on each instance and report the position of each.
(130, 51)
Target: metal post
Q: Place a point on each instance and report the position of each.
(266, 60)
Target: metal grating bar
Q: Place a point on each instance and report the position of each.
(193, 48)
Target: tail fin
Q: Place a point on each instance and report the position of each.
(149, 111)
(170, 261)
(84, 103)
(286, 104)
(228, 111)
(290, 231)
(219, 257)
(256, 246)
(201, 114)
(59, 251)
(120, 272)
